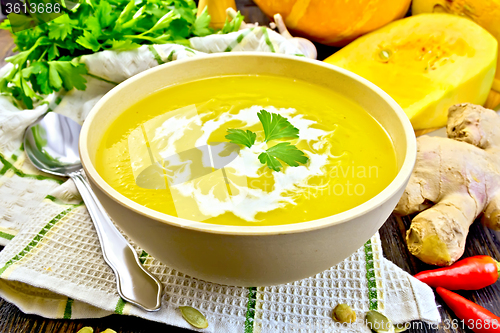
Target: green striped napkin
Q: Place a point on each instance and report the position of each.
(53, 267)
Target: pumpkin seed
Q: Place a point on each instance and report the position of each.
(193, 317)
(378, 323)
(385, 55)
(401, 327)
(343, 313)
(86, 329)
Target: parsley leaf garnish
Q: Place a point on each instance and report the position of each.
(241, 137)
(276, 126)
(286, 152)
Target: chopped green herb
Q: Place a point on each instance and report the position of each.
(286, 152)
(233, 25)
(200, 26)
(276, 126)
(238, 136)
(67, 72)
(43, 64)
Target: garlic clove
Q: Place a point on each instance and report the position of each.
(306, 46)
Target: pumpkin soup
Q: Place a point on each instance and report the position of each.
(247, 150)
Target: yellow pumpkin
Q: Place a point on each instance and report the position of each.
(426, 63)
(486, 13)
(335, 22)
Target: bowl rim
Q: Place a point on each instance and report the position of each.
(382, 197)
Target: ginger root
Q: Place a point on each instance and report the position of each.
(454, 181)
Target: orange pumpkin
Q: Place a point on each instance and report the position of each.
(335, 22)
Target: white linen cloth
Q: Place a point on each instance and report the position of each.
(53, 266)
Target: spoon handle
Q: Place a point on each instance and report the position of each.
(135, 284)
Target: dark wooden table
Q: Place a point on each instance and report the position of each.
(480, 241)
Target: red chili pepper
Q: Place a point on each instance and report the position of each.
(468, 274)
(474, 316)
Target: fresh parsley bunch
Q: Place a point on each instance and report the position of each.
(275, 127)
(46, 59)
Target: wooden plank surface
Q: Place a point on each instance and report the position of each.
(480, 241)
(6, 45)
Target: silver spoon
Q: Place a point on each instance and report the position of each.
(51, 144)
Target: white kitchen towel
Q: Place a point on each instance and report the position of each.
(53, 266)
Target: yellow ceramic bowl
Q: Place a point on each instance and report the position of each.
(250, 256)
